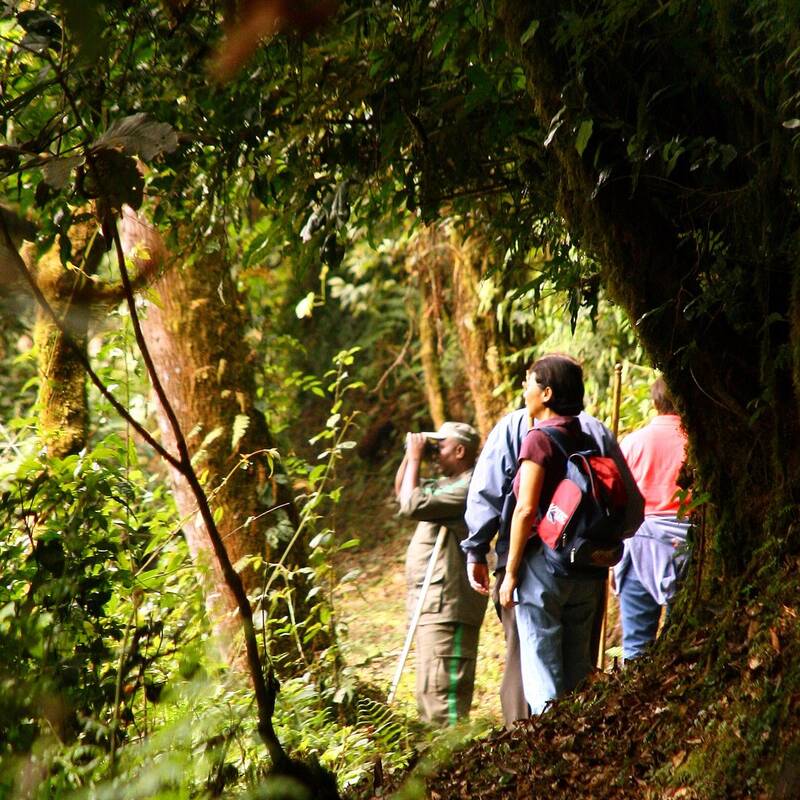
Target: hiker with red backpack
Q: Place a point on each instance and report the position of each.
(566, 530)
(490, 508)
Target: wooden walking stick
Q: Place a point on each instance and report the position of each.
(616, 396)
(412, 628)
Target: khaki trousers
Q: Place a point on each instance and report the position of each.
(512, 696)
(446, 657)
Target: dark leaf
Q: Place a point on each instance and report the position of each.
(64, 248)
(84, 21)
(50, 555)
(58, 170)
(43, 193)
(113, 176)
(40, 23)
(331, 252)
(36, 43)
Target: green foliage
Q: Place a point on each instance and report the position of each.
(599, 338)
(107, 672)
(18, 378)
(322, 544)
(391, 109)
(88, 544)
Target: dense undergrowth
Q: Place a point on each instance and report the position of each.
(111, 682)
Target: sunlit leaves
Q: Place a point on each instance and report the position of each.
(305, 306)
(99, 531)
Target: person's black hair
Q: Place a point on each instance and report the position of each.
(564, 375)
(661, 397)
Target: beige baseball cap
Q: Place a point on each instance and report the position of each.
(460, 431)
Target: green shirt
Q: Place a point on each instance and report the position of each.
(450, 598)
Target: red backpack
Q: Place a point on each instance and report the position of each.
(583, 527)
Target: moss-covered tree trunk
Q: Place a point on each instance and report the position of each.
(195, 333)
(425, 260)
(733, 376)
(702, 252)
(62, 400)
(429, 356)
(476, 330)
(63, 412)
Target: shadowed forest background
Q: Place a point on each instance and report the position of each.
(245, 246)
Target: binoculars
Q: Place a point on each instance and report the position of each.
(431, 448)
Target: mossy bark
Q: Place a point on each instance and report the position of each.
(718, 315)
(63, 411)
(195, 334)
(426, 262)
(62, 401)
(429, 357)
(476, 330)
(735, 384)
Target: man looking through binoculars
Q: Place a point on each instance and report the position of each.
(450, 613)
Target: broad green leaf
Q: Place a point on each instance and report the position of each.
(349, 544)
(584, 134)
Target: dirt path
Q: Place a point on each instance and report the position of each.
(372, 609)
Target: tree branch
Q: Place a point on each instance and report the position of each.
(264, 687)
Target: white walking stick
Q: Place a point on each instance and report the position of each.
(412, 628)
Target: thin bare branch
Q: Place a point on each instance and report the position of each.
(264, 687)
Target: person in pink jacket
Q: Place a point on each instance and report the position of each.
(655, 558)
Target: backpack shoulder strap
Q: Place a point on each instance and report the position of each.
(566, 444)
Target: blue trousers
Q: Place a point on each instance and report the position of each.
(554, 619)
(640, 615)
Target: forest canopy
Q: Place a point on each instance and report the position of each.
(245, 246)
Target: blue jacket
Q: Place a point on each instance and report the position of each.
(491, 501)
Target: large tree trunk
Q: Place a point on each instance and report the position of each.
(426, 261)
(429, 356)
(719, 358)
(195, 334)
(63, 411)
(704, 259)
(449, 270)
(62, 400)
(476, 330)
